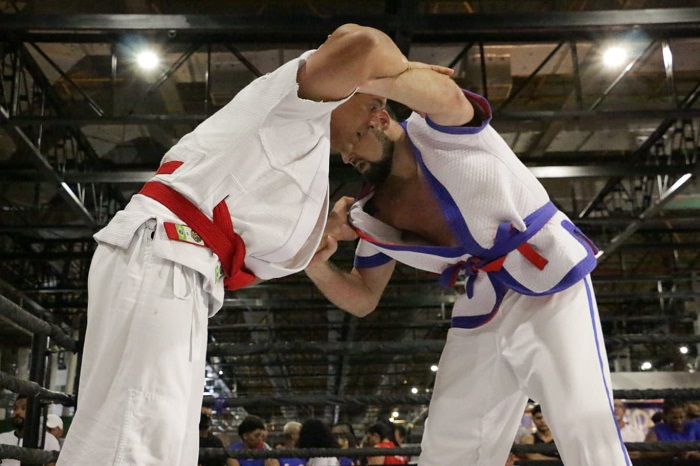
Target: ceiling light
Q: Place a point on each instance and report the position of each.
(646, 365)
(614, 57)
(147, 60)
(414, 390)
(434, 368)
(683, 349)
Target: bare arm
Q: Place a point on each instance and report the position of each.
(358, 291)
(427, 92)
(350, 57)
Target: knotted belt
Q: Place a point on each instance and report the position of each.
(217, 235)
(508, 239)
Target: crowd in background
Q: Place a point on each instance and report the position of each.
(677, 421)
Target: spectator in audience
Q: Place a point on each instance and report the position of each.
(252, 432)
(400, 435)
(315, 434)
(16, 436)
(675, 428)
(380, 435)
(629, 432)
(542, 435)
(692, 408)
(345, 436)
(208, 440)
(657, 417)
(291, 440)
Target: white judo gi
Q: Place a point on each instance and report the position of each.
(527, 325)
(265, 156)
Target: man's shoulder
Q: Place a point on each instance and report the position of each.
(51, 442)
(7, 436)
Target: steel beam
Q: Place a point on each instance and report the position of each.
(49, 175)
(659, 22)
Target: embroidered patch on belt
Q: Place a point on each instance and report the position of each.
(183, 233)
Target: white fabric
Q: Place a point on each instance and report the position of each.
(323, 461)
(9, 438)
(489, 186)
(266, 153)
(632, 433)
(142, 375)
(547, 348)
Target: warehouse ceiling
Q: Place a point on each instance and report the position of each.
(616, 146)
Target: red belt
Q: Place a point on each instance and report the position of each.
(217, 235)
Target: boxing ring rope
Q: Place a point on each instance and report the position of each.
(401, 347)
(305, 400)
(25, 387)
(34, 456)
(35, 325)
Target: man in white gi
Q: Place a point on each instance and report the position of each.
(242, 197)
(450, 197)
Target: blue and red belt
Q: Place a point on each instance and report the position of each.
(217, 234)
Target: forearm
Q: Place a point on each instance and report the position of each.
(344, 289)
(427, 92)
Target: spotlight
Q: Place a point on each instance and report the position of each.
(613, 57)
(646, 365)
(396, 413)
(414, 390)
(434, 368)
(683, 349)
(147, 60)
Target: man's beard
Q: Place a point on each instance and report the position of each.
(380, 170)
(18, 422)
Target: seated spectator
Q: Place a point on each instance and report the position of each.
(629, 432)
(345, 436)
(380, 435)
(291, 440)
(542, 435)
(675, 428)
(400, 435)
(692, 408)
(252, 432)
(315, 434)
(16, 436)
(208, 440)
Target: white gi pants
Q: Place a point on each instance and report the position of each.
(142, 375)
(547, 348)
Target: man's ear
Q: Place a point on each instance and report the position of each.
(383, 119)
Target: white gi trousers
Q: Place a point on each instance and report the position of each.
(548, 348)
(142, 375)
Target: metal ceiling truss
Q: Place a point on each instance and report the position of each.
(47, 256)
